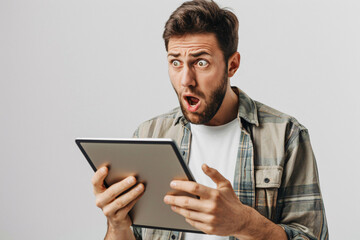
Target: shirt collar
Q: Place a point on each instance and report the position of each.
(247, 109)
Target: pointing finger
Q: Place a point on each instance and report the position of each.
(217, 178)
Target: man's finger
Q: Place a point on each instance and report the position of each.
(217, 178)
(186, 202)
(98, 180)
(192, 188)
(199, 225)
(131, 205)
(122, 202)
(115, 190)
(193, 215)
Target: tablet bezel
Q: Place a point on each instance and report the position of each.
(167, 141)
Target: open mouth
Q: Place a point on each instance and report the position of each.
(192, 101)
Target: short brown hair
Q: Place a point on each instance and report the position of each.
(202, 16)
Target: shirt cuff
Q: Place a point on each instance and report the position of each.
(293, 234)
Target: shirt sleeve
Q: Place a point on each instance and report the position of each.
(300, 207)
(137, 233)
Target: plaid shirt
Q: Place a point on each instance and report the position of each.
(275, 172)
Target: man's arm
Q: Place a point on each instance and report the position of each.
(114, 234)
(300, 209)
(220, 212)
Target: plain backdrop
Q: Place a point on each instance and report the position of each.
(91, 68)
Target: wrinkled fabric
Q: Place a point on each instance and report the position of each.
(275, 173)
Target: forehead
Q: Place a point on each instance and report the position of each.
(193, 43)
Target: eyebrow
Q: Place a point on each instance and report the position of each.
(199, 54)
(174, 55)
(193, 55)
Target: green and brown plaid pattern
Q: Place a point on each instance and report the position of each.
(275, 173)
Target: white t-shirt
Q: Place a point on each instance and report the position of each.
(217, 146)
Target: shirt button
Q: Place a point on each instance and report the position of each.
(173, 236)
(266, 180)
(183, 153)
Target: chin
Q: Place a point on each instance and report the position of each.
(191, 117)
(194, 118)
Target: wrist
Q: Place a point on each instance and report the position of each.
(256, 226)
(118, 225)
(115, 232)
(244, 229)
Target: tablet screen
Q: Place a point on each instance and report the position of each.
(155, 162)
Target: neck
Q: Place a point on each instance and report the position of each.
(228, 110)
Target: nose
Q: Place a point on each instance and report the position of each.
(187, 77)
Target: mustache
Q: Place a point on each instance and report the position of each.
(193, 91)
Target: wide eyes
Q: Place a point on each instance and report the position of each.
(175, 63)
(200, 63)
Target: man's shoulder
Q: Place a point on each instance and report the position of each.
(270, 116)
(261, 115)
(159, 125)
(276, 135)
(171, 115)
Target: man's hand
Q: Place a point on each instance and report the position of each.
(219, 211)
(213, 212)
(115, 207)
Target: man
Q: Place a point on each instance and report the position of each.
(263, 181)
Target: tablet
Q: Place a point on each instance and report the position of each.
(153, 161)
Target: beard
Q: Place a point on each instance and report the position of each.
(212, 103)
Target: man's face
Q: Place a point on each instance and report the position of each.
(198, 74)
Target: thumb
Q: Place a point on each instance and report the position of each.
(217, 178)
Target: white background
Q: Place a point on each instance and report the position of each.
(91, 68)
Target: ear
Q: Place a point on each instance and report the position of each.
(233, 64)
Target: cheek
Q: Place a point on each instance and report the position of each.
(216, 77)
(207, 80)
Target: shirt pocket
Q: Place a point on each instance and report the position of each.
(267, 183)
